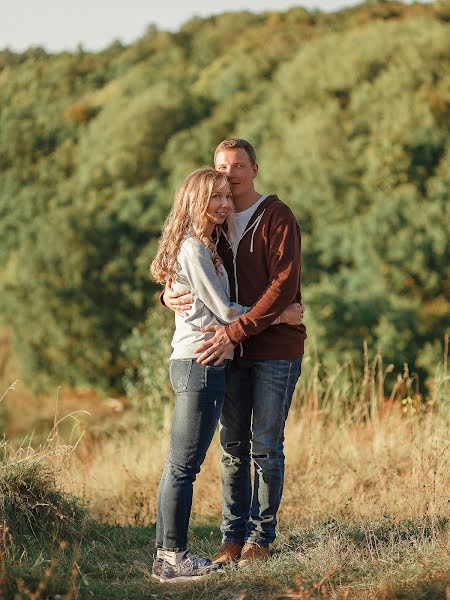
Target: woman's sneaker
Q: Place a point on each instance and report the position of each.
(157, 567)
(188, 569)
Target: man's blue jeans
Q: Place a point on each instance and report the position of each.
(258, 396)
(199, 392)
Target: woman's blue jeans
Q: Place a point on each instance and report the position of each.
(257, 401)
(199, 393)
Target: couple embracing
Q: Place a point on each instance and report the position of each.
(232, 256)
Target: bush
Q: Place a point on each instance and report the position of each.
(146, 380)
(31, 505)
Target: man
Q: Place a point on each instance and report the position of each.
(261, 254)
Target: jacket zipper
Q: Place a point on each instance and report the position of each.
(253, 226)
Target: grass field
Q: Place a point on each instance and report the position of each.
(365, 512)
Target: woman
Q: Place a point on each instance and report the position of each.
(187, 255)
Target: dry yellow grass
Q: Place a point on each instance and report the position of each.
(396, 464)
(365, 508)
(349, 451)
(361, 515)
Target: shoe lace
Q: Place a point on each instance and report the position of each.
(196, 562)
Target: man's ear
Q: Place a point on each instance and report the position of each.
(255, 170)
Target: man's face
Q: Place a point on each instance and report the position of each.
(236, 163)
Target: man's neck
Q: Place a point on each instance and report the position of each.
(244, 202)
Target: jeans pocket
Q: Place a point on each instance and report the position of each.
(215, 376)
(180, 371)
(219, 368)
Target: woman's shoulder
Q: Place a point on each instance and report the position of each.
(193, 248)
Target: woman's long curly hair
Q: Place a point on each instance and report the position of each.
(187, 217)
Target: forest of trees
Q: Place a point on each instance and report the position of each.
(349, 113)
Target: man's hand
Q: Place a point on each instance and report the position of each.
(179, 302)
(217, 348)
(293, 314)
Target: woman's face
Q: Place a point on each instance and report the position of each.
(220, 204)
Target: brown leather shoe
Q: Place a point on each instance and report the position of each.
(227, 553)
(251, 552)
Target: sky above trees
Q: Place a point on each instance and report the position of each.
(63, 24)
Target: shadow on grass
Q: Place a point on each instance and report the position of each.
(114, 562)
(109, 562)
(435, 588)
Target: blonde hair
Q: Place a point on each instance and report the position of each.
(187, 217)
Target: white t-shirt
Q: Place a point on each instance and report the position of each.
(240, 222)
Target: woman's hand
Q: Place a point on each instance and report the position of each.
(293, 314)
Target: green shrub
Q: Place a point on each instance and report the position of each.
(146, 380)
(32, 507)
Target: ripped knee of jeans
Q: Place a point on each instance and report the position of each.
(232, 444)
(236, 452)
(265, 453)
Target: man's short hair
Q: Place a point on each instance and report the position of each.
(237, 143)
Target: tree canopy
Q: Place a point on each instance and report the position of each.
(349, 114)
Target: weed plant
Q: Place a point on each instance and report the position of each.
(32, 507)
(34, 510)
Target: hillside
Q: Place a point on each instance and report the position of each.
(349, 113)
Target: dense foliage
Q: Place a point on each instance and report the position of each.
(349, 113)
